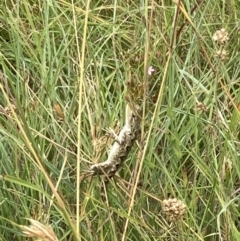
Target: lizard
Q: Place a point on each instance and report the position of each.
(123, 143)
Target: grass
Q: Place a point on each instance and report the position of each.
(67, 71)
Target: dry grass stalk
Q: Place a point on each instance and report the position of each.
(39, 231)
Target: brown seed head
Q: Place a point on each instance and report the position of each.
(221, 36)
(173, 208)
(221, 54)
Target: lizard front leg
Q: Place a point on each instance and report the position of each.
(113, 135)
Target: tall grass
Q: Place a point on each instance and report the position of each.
(67, 71)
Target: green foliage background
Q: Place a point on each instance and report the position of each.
(67, 68)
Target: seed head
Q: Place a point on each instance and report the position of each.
(173, 208)
(40, 231)
(221, 36)
(222, 54)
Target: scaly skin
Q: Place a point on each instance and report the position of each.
(122, 145)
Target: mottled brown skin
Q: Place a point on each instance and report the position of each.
(121, 147)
